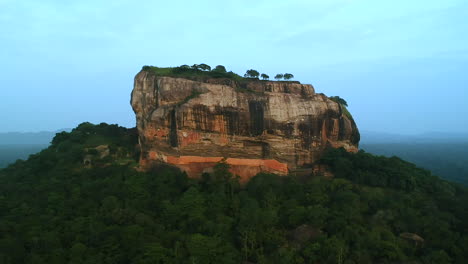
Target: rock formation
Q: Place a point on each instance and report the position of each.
(254, 126)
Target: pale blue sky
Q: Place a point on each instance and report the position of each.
(401, 65)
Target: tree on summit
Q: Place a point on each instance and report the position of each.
(204, 67)
(251, 74)
(220, 68)
(264, 76)
(201, 67)
(288, 76)
(279, 76)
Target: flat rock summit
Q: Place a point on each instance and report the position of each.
(254, 126)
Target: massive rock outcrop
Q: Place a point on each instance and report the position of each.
(255, 126)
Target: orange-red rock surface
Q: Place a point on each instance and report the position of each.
(259, 126)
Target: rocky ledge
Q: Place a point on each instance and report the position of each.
(256, 126)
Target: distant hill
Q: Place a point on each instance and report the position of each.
(444, 154)
(19, 145)
(28, 138)
(11, 153)
(371, 137)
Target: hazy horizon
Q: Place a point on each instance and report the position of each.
(400, 65)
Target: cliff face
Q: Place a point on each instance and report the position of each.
(258, 126)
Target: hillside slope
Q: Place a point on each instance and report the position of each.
(80, 202)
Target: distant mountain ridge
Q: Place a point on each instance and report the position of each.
(28, 138)
(444, 154)
(371, 137)
(19, 145)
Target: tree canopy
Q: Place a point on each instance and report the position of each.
(54, 209)
(279, 76)
(265, 76)
(204, 67)
(220, 68)
(251, 74)
(288, 76)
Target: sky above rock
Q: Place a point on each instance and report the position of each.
(401, 65)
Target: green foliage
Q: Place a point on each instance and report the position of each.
(346, 112)
(343, 105)
(288, 76)
(251, 74)
(55, 210)
(279, 76)
(197, 67)
(220, 68)
(197, 72)
(204, 67)
(202, 72)
(373, 170)
(339, 100)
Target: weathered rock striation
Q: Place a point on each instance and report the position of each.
(255, 126)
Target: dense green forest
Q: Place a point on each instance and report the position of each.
(446, 159)
(81, 200)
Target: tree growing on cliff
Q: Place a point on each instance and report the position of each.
(339, 100)
(251, 74)
(279, 76)
(288, 76)
(265, 76)
(220, 68)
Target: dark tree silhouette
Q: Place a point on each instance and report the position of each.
(279, 76)
(204, 67)
(220, 68)
(251, 74)
(288, 76)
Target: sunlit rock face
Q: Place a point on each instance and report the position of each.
(260, 126)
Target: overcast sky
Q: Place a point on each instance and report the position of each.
(401, 65)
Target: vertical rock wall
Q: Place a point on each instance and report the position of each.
(275, 127)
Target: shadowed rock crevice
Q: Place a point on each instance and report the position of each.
(257, 118)
(173, 132)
